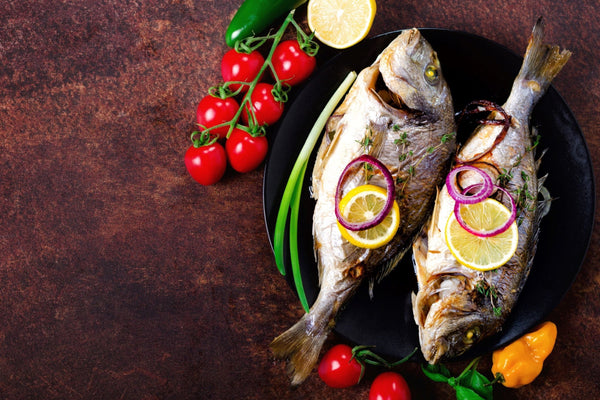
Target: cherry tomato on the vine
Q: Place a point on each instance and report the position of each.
(244, 151)
(206, 164)
(241, 67)
(292, 65)
(338, 368)
(213, 111)
(267, 110)
(389, 386)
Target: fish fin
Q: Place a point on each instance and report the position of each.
(435, 215)
(420, 248)
(545, 202)
(300, 349)
(542, 62)
(541, 181)
(538, 161)
(417, 315)
(330, 135)
(377, 136)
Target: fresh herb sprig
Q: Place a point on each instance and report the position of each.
(488, 290)
(402, 142)
(469, 385)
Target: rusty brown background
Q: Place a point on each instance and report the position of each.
(121, 278)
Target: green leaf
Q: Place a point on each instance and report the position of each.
(469, 385)
(478, 383)
(437, 373)
(294, 241)
(463, 393)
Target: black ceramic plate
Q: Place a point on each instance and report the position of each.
(475, 68)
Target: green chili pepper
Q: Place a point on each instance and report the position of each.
(254, 16)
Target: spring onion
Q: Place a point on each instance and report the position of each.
(296, 179)
(294, 240)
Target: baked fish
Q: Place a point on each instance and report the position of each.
(399, 111)
(456, 307)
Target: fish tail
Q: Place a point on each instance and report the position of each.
(542, 62)
(300, 348)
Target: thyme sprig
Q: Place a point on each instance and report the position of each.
(488, 290)
(403, 142)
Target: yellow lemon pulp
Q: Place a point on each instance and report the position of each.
(361, 204)
(341, 23)
(482, 253)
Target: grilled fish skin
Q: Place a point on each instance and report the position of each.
(399, 110)
(456, 307)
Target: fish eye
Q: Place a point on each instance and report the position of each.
(431, 74)
(471, 335)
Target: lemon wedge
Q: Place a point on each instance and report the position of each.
(341, 23)
(361, 204)
(482, 253)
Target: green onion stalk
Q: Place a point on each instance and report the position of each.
(290, 201)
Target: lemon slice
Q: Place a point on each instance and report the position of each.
(482, 253)
(361, 204)
(341, 23)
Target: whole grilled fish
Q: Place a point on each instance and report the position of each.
(455, 306)
(399, 110)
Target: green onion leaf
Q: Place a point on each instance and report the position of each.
(296, 179)
(294, 240)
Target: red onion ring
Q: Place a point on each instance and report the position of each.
(486, 188)
(497, 231)
(389, 202)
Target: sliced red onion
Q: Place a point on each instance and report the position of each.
(496, 231)
(459, 196)
(389, 202)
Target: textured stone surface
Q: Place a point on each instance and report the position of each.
(121, 277)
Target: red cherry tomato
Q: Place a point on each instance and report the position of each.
(266, 109)
(291, 63)
(206, 164)
(389, 386)
(241, 67)
(338, 368)
(245, 152)
(213, 111)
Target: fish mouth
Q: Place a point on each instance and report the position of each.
(436, 352)
(390, 99)
(455, 332)
(402, 84)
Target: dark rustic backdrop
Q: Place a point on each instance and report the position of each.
(121, 278)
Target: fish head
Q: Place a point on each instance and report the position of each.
(411, 70)
(453, 337)
(451, 321)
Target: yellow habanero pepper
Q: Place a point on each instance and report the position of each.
(521, 361)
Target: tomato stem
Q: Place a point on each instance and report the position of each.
(280, 89)
(297, 175)
(306, 42)
(205, 139)
(222, 91)
(364, 355)
(276, 38)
